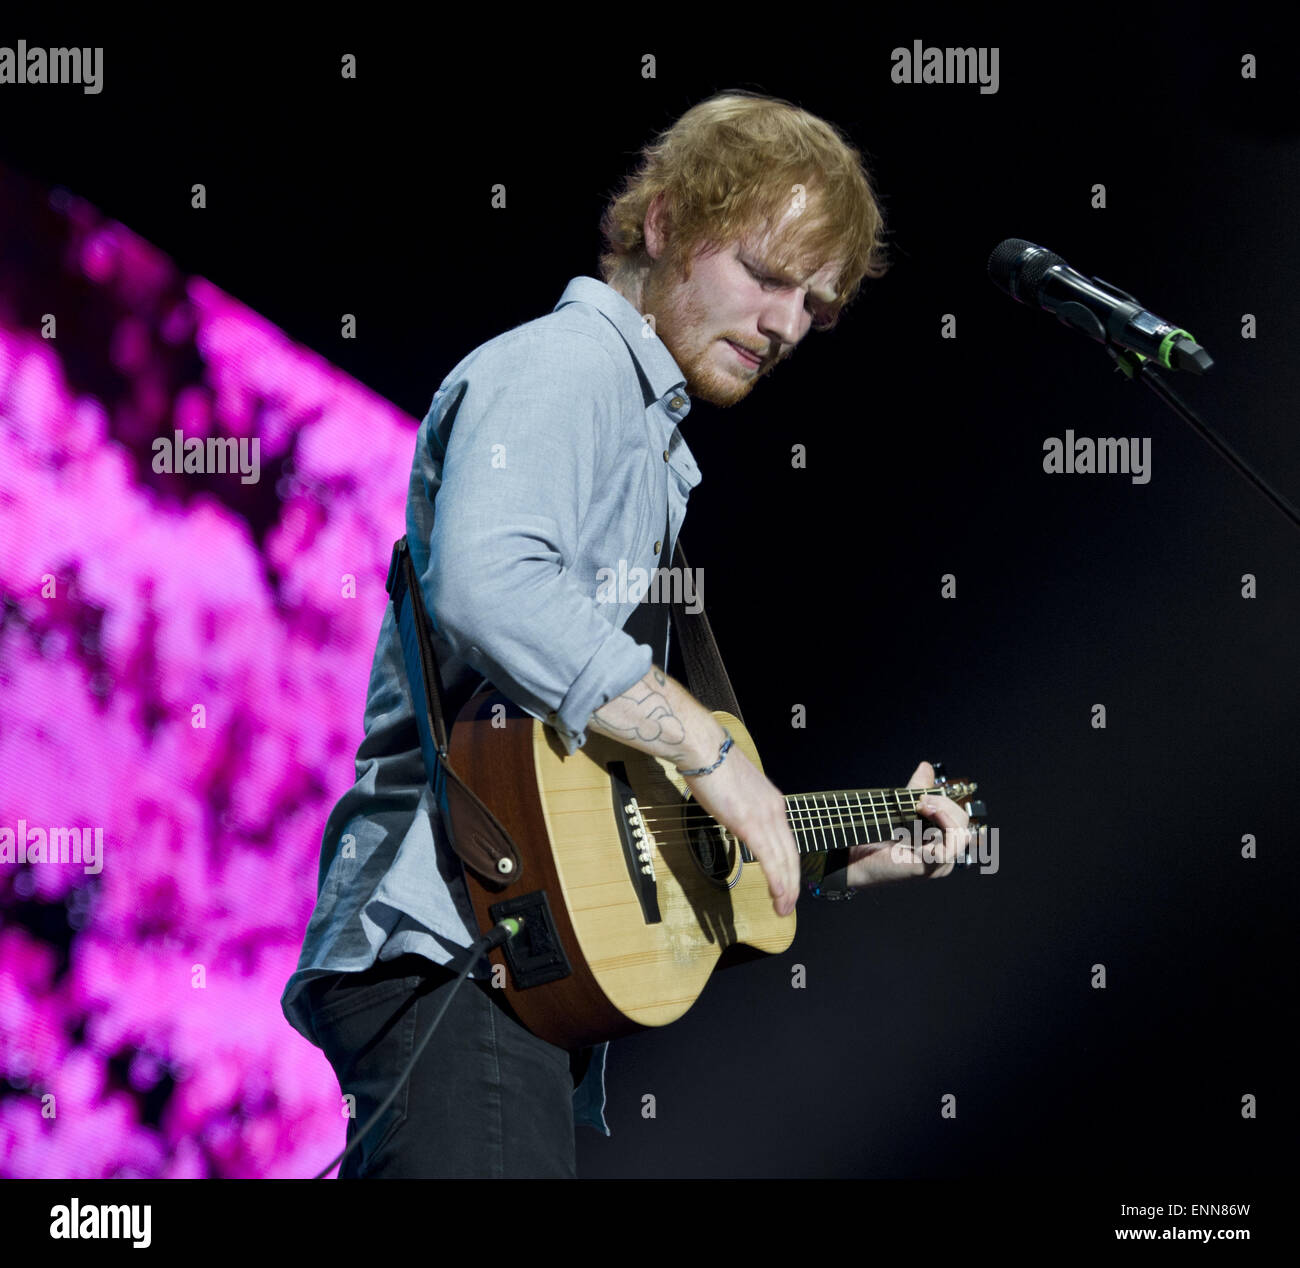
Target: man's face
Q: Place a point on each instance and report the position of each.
(736, 298)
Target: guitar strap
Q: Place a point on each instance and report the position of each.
(706, 675)
(483, 845)
(648, 622)
(478, 838)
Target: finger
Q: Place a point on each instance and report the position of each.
(918, 865)
(949, 818)
(779, 859)
(945, 812)
(786, 850)
(956, 840)
(793, 865)
(922, 776)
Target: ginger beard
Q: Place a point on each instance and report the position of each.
(695, 332)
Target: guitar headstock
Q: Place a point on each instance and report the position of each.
(962, 791)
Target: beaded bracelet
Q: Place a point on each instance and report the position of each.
(722, 755)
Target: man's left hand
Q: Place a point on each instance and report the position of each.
(874, 864)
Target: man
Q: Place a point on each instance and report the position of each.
(550, 453)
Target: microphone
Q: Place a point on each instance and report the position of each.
(1040, 278)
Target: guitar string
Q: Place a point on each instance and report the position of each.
(828, 807)
(692, 819)
(876, 800)
(696, 815)
(663, 834)
(808, 820)
(829, 813)
(800, 800)
(666, 820)
(675, 836)
(805, 843)
(696, 819)
(797, 817)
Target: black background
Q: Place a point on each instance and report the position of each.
(1119, 846)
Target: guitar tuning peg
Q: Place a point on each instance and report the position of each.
(939, 776)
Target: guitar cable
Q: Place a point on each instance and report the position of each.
(498, 935)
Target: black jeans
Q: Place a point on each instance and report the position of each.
(486, 1100)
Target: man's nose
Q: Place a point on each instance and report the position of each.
(782, 321)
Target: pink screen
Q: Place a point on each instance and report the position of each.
(183, 664)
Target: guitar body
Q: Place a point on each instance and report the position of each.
(646, 894)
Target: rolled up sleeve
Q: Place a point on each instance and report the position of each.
(528, 416)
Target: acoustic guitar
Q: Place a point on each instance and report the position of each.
(631, 895)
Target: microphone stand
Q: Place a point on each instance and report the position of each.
(1133, 365)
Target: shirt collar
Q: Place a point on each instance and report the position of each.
(657, 365)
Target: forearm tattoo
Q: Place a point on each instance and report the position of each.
(654, 720)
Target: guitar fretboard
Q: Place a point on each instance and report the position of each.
(824, 821)
(860, 816)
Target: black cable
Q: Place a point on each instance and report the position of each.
(498, 935)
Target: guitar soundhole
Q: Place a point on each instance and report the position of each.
(713, 852)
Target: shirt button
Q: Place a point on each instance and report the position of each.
(665, 455)
(677, 402)
(658, 547)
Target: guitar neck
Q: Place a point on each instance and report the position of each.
(825, 821)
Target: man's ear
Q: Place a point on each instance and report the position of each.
(656, 226)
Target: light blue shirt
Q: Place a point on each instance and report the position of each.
(549, 453)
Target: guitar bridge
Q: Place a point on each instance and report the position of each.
(636, 844)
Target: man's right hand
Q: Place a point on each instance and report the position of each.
(657, 715)
(741, 798)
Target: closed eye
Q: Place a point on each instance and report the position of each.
(765, 280)
(810, 304)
